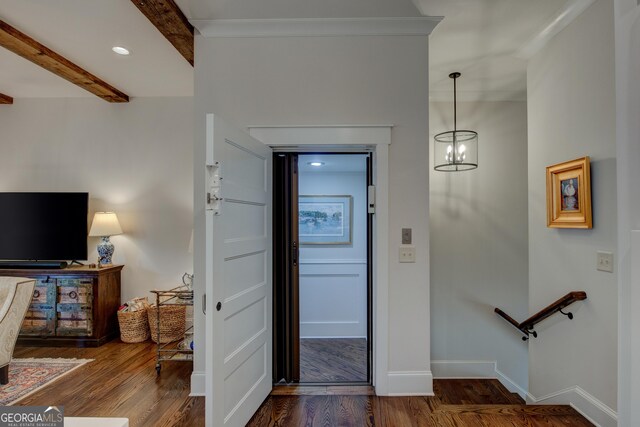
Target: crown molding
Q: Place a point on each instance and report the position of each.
(317, 27)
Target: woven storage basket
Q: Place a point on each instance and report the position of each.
(172, 322)
(134, 326)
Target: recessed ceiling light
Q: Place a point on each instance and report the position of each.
(315, 163)
(120, 50)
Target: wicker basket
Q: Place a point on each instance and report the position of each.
(134, 326)
(172, 322)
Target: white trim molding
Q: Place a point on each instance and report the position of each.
(475, 369)
(589, 406)
(295, 136)
(511, 385)
(463, 369)
(198, 380)
(317, 27)
(410, 383)
(376, 139)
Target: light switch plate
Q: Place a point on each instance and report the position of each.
(406, 236)
(605, 261)
(407, 254)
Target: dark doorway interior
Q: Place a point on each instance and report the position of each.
(315, 280)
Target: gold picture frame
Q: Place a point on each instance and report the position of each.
(569, 194)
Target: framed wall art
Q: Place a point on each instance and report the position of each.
(569, 194)
(325, 220)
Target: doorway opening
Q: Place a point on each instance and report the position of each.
(322, 293)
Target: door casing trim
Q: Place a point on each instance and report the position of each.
(354, 138)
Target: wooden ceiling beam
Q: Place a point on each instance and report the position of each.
(23, 45)
(5, 99)
(167, 17)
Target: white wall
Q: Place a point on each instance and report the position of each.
(330, 81)
(479, 245)
(134, 159)
(627, 24)
(571, 113)
(333, 278)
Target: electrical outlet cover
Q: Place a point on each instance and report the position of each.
(407, 254)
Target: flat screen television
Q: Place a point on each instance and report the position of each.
(43, 226)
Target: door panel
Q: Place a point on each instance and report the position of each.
(239, 282)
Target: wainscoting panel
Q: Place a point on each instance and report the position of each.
(333, 298)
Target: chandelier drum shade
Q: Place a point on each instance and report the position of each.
(455, 150)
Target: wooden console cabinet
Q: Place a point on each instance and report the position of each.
(72, 307)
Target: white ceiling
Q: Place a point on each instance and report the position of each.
(332, 163)
(487, 40)
(482, 39)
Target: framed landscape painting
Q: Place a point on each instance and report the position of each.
(569, 194)
(325, 220)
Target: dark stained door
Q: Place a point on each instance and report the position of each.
(286, 312)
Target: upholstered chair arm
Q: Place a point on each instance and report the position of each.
(14, 313)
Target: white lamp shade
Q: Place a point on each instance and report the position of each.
(105, 224)
(191, 243)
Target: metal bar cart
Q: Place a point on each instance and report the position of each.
(180, 350)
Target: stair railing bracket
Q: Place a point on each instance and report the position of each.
(569, 314)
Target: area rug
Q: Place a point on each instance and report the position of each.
(26, 376)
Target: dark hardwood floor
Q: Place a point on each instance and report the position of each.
(457, 403)
(122, 382)
(333, 360)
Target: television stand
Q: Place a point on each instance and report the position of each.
(75, 262)
(31, 265)
(72, 307)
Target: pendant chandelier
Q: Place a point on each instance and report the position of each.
(455, 150)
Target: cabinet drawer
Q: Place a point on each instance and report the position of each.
(39, 321)
(74, 292)
(44, 292)
(74, 320)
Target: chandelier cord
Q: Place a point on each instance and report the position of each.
(455, 103)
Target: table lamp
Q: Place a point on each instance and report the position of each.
(105, 225)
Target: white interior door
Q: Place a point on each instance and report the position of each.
(238, 274)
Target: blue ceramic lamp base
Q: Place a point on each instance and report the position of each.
(105, 251)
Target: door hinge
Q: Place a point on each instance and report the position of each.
(214, 188)
(371, 199)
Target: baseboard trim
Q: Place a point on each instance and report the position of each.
(459, 369)
(463, 369)
(586, 404)
(410, 383)
(511, 385)
(198, 380)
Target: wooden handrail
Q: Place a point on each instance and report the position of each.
(527, 326)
